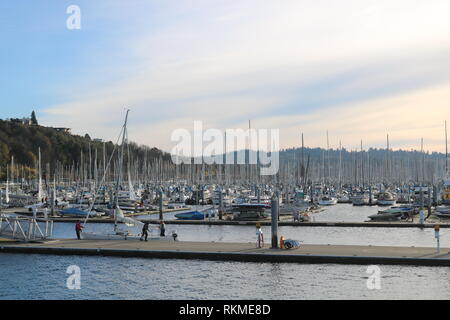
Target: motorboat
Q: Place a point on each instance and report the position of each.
(327, 200)
(249, 211)
(442, 212)
(392, 214)
(443, 209)
(197, 214)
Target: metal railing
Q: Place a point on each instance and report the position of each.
(26, 229)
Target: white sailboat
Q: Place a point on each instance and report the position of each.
(40, 195)
(120, 233)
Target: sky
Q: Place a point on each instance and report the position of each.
(360, 69)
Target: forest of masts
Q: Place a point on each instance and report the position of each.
(297, 167)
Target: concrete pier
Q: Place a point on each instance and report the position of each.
(244, 252)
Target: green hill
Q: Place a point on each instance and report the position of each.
(59, 148)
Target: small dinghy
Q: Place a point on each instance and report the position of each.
(291, 244)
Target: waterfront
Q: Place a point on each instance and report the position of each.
(44, 276)
(310, 235)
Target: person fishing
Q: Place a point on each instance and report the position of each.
(78, 229)
(163, 229)
(144, 231)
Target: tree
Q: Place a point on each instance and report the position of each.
(4, 154)
(33, 118)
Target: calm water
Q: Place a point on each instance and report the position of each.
(44, 277)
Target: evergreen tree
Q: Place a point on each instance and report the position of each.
(33, 118)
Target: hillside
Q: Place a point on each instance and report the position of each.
(58, 147)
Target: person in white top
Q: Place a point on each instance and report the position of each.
(259, 236)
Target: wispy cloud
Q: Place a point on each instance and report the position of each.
(359, 68)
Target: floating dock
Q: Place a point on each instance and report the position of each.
(244, 252)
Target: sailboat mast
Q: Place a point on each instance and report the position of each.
(423, 160)
(40, 194)
(119, 176)
(340, 165)
(328, 160)
(446, 149)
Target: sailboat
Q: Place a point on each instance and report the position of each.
(119, 233)
(443, 212)
(40, 194)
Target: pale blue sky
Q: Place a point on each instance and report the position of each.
(300, 66)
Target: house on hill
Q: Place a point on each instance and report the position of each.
(65, 130)
(24, 121)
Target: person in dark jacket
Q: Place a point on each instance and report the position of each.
(144, 231)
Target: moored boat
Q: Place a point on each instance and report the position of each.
(392, 214)
(386, 199)
(197, 214)
(327, 200)
(249, 212)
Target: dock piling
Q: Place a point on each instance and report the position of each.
(274, 216)
(161, 217)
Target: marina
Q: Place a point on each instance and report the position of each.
(224, 150)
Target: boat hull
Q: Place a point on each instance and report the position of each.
(386, 202)
(386, 217)
(330, 202)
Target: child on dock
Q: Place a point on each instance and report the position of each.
(260, 236)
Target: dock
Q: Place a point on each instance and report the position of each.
(268, 223)
(243, 252)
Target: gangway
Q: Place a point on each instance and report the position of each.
(27, 229)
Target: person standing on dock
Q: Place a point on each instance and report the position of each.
(259, 236)
(144, 231)
(78, 229)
